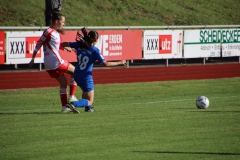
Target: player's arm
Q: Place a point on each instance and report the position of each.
(39, 44)
(64, 44)
(110, 64)
(66, 47)
(105, 63)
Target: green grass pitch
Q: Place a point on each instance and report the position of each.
(137, 121)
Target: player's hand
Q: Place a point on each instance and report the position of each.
(68, 49)
(124, 62)
(74, 50)
(79, 36)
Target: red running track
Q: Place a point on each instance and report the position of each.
(35, 79)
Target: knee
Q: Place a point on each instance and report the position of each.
(63, 84)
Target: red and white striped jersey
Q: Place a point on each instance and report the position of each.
(50, 40)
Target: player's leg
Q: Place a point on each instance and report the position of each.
(58, 74)
(88, 93)
(82, 103)
(73, 84)
(48, 19)
(90, 97)
(87, 86)
(86, 101)
(63, 91)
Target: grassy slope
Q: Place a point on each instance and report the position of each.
(124, 12)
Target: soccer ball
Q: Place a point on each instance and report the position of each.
(202, 102)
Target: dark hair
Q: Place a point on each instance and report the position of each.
(86, 40)
(57, 16)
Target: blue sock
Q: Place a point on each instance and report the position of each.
(88, 107)
(81, 103)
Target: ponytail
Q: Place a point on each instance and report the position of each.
(87, 39)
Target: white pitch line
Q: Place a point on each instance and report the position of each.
(182, 100)
(139, 103)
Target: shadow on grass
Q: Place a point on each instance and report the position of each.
(202, 110)
(37, 113)
(183, 108)
(207, 111)
(178, 152)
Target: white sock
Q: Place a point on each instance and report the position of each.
(64, 107)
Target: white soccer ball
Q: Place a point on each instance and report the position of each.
(202, 102)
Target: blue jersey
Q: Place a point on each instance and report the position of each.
(85, 61)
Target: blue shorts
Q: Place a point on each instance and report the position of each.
(85, 83)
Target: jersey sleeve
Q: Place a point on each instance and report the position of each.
(42, 40)
(99, 56)
(73, 45)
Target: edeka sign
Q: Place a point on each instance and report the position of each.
(113, 44)
(2, 47)
(20, 47)
(211, 43)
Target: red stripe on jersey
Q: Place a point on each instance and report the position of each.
(41, 41)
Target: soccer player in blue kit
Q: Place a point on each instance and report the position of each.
(87, 54)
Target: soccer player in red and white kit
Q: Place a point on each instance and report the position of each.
(54, 64)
